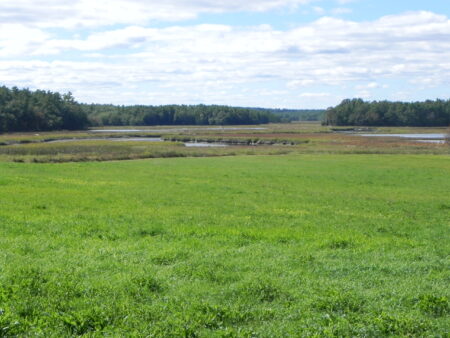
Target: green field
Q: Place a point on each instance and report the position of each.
(244, 246)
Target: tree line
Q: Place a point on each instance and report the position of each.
(25, 110)
(357, 112)
(139, 115)
(291, 115)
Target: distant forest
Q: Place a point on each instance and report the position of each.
(357, 112)
(111, 115)
(25, 110)
(290, 115)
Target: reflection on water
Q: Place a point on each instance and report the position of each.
(118, 130)
(140, 139)
(415, 136)
(432, 141)
(204, 145)
(143, 139)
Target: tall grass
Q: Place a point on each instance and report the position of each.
(277, 139)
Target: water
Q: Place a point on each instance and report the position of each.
(205, 145)
(118, 130)
(426, 138)
(413, 136)
(123, 139)
(432, 141)
(140, 139)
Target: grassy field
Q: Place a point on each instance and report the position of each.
(245, 246)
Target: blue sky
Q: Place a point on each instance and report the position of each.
(265, 53)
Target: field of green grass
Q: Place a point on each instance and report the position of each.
(245, 246)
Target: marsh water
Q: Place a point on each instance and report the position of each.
(412, 136)
(158, 139)
(423, 138)
(431, 141)
(205, 145)
(140, 139)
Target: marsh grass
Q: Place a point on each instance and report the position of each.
(42, 137)
(447, 137)
(238, 140)
(274, 140)
(108, 150)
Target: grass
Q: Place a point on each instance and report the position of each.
(252, 139)
(109, 150)
(41, 137)
(274, 139)
(259, 246)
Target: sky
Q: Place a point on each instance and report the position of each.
(255, 53)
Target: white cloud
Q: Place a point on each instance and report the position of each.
(216, 63)
(17, 39)
(341, 10)
(371, 85)
(315, 95)
(96, 13)
(318, 10)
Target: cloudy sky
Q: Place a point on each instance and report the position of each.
(266, 53)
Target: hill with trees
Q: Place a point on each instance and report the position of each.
(291, 115)
(357, 112)
(25, 110)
